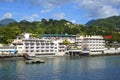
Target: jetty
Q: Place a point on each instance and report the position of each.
(32, 60)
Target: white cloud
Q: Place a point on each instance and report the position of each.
(59, 15)
(7, 15)
(31, 17)
(73, 21)
(45, 10)
(6, 0)
(107, 11)
(50, 3)
(93, 8)
(99, 9)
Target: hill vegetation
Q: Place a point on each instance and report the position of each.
(6, 21)
(108, 26)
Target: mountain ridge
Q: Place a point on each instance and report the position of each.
(6, 21)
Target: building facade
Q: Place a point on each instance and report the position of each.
(95, 44)
(52, 44)
(7, 50)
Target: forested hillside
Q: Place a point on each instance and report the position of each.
(108, 26)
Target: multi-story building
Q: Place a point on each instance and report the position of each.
(42, 47)
(52, 44)
(95, 44)
(7, 50)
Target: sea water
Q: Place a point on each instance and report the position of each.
(82, 68)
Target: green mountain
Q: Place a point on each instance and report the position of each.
(106, 26)
(6, 21)
(111, 22)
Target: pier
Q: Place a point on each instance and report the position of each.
(32, 60)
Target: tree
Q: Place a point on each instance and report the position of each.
(66, 42)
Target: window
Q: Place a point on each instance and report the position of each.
(32, 44)
(37, 44)
(47, 50)
(32, 50)
(42, 50)
(31, 47)
(26, 51)
(37, 47)
(26, 47)
(37, 51)
(26, 43)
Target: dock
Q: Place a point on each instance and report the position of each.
(34, 61)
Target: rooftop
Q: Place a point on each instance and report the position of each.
(56, 35)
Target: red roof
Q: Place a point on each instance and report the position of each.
(108, 37)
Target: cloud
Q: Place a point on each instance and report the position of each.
(59, 15)
(31, 17)
(6, 0)
(50, 3)
(45, 10)
(7, 15)
(73, 21)
(101, 8)
(93, 8)
(107, 11)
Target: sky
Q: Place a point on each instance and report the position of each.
(76, 11)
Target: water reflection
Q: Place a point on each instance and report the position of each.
(85, 68)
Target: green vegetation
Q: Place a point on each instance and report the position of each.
(66, 42)
(108, 26)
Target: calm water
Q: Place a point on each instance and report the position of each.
(93, 68)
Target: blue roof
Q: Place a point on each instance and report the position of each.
(12, 50)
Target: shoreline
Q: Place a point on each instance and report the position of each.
(108, 54)
(22, 58)
(11, 58)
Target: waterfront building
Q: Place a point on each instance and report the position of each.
(88, 44)
(112, 50)
(95, 44)
(39, 47)
(7, 50)
(18, 43)
(52, 44)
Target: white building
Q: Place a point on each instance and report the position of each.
(52, 44)
(7, 50)
(95, 44)
(43, 47)
(111, 50)
(39, 47)
(19, 45)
